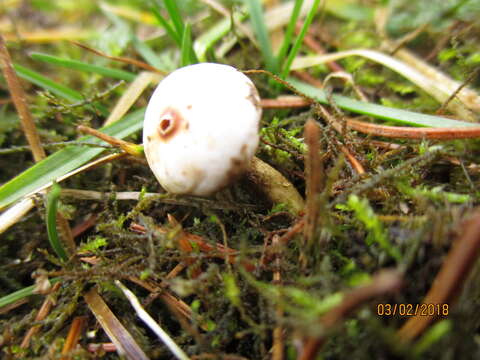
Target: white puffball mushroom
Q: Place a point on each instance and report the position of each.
(201, 128)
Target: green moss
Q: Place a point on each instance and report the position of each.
(404, 212)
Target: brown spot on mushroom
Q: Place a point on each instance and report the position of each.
(165, 124)
(170, 124)
(149, 138)
(189, 107)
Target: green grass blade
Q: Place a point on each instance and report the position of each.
(22, 293)
(287, 39)
(206, 40)
(55, 88)
(260, 29)
(65, 160)
(187, 52)
(165, 24)
(350, 11)
(176, 16)
(148, 54)
(52, 201)
(81, 66)
(47, 84)
(398, 116)
(299, 40)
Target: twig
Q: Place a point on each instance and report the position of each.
(386, 145)
(85, 225)
(185, 240)
(19, 99)
(126, 146)
(278, 341)
(314, 179)
(177, 270)
(161, 198)
(282, 241)
(283, 102)
(305, 76)
(356, 165)
(404, 132)
(66, 233)
(125, 60)
(73, 336)
(6, 308)
(292, 231)
(41, 315)
(107, 347)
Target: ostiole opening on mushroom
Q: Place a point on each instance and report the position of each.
(170, 123)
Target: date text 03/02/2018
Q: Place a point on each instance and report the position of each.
(386, 309)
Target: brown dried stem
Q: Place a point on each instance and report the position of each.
(125, 60)
(305, 76)
(403, 132)
(41, 315)
(73, 336)
(285, 102)
(19, 99)
(66, 233)
(283, 240)
(356, 165)
(126, 146)
(278, 341)
(314, 179)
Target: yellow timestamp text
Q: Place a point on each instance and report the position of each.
(412, 309)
